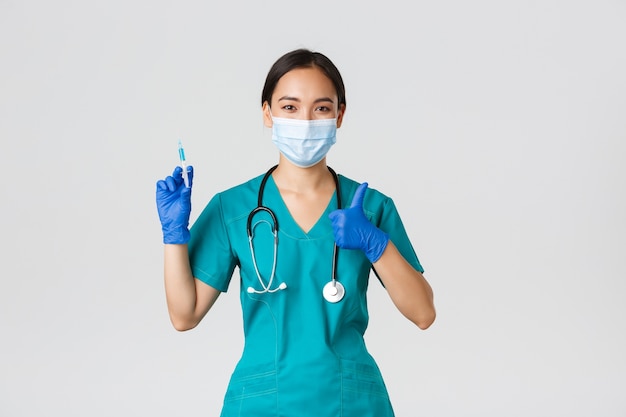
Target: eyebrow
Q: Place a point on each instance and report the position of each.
(319, 100)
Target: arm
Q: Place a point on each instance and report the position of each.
(408, 288)
(188, 299)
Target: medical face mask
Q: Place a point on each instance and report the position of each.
(304, 142)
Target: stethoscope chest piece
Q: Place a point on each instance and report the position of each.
(333, 291)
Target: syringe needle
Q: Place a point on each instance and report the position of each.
(183, 163)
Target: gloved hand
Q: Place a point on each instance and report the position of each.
(353, 231)
(173, 200)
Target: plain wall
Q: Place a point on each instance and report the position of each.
(498, 128)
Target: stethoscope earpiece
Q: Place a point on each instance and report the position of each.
(251, 290)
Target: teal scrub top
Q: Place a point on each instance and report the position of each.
(302, 356)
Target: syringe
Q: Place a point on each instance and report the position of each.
(183, 163)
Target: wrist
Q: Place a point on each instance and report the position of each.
(177, 236)
(377, 245)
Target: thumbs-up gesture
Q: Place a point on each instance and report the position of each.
(353, 230)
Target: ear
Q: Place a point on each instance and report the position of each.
(340, 113)
(267, 117)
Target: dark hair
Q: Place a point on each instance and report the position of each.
(302, 58)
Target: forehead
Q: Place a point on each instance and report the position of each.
(304, 83)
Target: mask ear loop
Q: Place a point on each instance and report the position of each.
(269, 110)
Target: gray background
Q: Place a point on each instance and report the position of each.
(497, 127)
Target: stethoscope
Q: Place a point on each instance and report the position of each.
(333, 291)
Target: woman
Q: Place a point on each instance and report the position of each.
(304, 264)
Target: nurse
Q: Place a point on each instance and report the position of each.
(304, 352)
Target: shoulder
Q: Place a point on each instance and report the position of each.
(378, 207)
(238, 200)
(376, 204)
(372, 195)
(249, 187)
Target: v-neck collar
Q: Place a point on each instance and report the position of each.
(287, 224)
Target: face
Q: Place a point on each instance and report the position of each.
(304, 93)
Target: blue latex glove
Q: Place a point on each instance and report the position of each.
(353, 231)
(173, 200)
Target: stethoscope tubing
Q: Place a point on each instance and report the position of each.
(336, 289)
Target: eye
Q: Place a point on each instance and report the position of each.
(288, 107)
(323, 109)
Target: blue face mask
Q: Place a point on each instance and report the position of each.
(304, 142)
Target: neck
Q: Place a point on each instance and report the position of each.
(290, 177)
